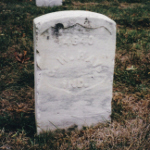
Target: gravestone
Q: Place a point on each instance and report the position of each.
(74, 66)
(48, 3)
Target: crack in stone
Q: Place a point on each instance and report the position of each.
(62, 27)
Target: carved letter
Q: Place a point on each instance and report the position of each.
(91, 40)
(80, 83)
(61, 60)
(84, 40)
(51, 73)
(66, 40)
(81, 55)
(73, 83)
(75, 40)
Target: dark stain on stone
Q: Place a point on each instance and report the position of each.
(87, 22)
(59, 29)
(56, 29)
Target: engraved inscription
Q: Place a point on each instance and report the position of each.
(74, 83)
(82, 56)
(81, 37)
(76, 40)
(95, 62)
(63, 59)
(52, 72)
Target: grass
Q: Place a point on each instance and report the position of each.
(130, 126)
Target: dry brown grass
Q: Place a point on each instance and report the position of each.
(131, 130)
(77, 3)
(131, 5)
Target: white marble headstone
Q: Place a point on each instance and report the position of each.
(48, 3)
(74, 66)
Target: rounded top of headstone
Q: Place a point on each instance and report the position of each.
(69, 18)
(71, 14)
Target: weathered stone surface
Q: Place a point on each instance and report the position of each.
(74, 65)
(50, 3)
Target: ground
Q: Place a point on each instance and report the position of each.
(130, 120)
